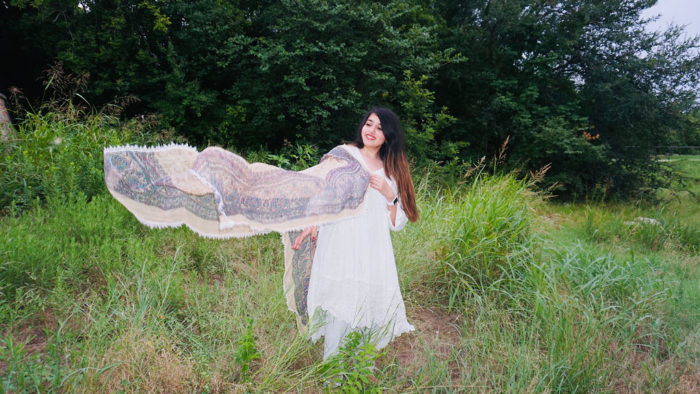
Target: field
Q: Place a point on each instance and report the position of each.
(508, 292)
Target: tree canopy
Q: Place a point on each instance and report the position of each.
(579, 83)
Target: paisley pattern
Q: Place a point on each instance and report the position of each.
(218, 194)
(144, 180)
(298, 274)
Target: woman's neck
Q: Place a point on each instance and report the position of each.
(370, 153)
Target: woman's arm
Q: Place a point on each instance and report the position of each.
(398, 221)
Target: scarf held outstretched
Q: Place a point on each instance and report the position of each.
(218, 194)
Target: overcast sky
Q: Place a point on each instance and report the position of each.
(678, 12)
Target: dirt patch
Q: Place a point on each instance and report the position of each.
(33, 335)
(689, 382)
(35, 339)
(215, 280)
(639, 369)
(435, 329)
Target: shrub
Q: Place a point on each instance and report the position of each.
(58, 154)
(295, 157)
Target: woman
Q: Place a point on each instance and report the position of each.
(354, 284)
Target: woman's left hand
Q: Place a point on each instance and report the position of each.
(313, 231)
(379, 182)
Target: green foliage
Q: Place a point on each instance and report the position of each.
(70, 238)
(295, 157)
(32, 371)
(315, 66)
(27, 372)
(352, 368)
(581, 301)
(58, 154)
(246, 351)
(247, 74)
(123, 287)
(580, 85)
(422, 121)
(579, 163)
(691, 134)
(653, 233)
(544, 73)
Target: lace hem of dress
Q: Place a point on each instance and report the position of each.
(324, 321)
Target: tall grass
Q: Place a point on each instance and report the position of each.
(486, 224)
(657, 230)
(145, 306)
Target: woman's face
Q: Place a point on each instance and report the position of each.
(372, 135)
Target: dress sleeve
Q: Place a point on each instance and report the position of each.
(401, 218)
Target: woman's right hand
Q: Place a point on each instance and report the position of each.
(313, 231)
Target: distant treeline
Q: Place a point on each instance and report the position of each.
(579, 84)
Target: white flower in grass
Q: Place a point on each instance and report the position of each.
(57, 141)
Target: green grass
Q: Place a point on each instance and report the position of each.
(508, 292)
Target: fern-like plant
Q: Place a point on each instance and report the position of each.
(246, 351)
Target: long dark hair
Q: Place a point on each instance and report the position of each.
(393, 156)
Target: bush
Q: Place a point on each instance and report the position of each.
(58, 154)
(295, 157)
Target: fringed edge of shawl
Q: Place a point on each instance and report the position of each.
(139, 148)
(252, 233)
(159, 225)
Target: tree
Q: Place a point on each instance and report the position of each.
(243, 73)
(578, 84)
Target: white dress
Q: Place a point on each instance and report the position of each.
(354, 284)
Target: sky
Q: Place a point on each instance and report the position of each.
(677, 12)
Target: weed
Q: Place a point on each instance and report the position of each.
(246, 351)
(352, 368)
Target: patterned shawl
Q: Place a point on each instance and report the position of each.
(218, 194)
